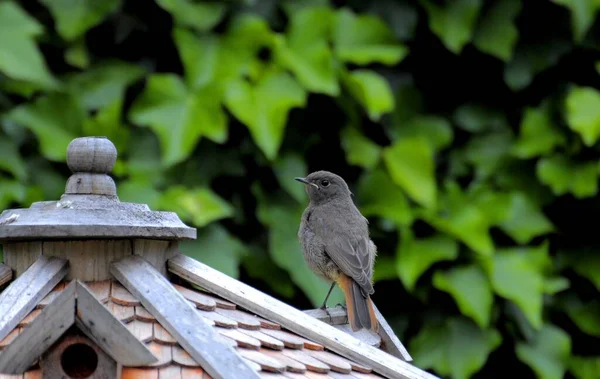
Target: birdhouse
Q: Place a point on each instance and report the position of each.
(97, 288)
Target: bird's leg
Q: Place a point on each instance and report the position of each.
(324, 306)
(344, 306)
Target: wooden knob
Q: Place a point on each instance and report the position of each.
(91, 154)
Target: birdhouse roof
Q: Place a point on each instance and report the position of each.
(271, 346)
(82, 265)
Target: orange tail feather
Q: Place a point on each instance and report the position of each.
(360, 309)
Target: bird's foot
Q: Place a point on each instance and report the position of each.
(344, 307)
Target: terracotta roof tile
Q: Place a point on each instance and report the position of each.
(245, 320)
(139, 373)
(100, 289)
(121, 312)
(55, 291)
(142, 330)
(162, 336)
(267, 347)
(143, 315)
(170, 372)
(182, 357)
(199, 299)
(121, 296)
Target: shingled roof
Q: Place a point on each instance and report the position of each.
(146, 311)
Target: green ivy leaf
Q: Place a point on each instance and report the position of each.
(411, 165)
(264, 107)
(476, 118)
(583, 13)
(548, 354)
(55, 119)
(588, 266)
(381, 197)
(283, 221)
(217, 248)
(20, 57)
(11, 161)
(538, 135)
(107, 122)
(365, 39)
(517, 274)
(288, 167)
(200, 206)
(104, 83)
(139, 190)
(77, 54)
(199, 15)
(585, 367)
(210, 59)
(305, 51)
(360, 151)
(415, 256)
(460, 217)
(585, 315)
(489, 152)
(471, 290)
(530, 60)
(11, 191)
(524, 219)
(74, 18)
(260, 267)
(371, 90)
(401, 16)
(437, 130)
(563, 176)
(457, 348)
(385, 269)
(179, 117)
(583, 113)
(497, 33)
(454, 22)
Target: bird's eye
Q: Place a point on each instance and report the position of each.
(325, 182)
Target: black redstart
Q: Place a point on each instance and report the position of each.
(335, 241)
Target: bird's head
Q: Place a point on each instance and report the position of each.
(324, 186)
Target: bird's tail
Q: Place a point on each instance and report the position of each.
(360, 308)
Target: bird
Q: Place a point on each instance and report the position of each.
(336, 245)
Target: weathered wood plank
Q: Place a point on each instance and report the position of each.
(23, 294)
(156, 252)
(20, 255)
(367, 336)
(388, 338)
(6, 274)
(293, 319)
(42, 333)
(89, 259)
(108, 332)
(180, 318)
(333, 316)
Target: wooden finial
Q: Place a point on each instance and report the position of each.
(91, 159)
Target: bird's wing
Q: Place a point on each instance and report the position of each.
(349, 251)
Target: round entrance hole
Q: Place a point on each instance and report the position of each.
(79, 361)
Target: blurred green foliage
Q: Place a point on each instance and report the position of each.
(468, 131)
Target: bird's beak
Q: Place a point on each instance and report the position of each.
(303, 180)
